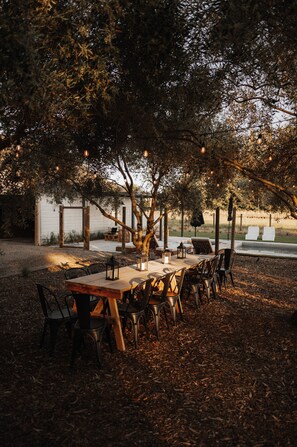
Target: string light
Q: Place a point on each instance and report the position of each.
(270, 158)
(202, 149)
(259, 139)
(57, 168)
(145, 153)
(86, 153)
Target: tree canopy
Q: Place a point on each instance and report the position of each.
(113, 79)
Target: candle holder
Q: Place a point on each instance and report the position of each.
(181, 251)
(142, 262)
(112, 269)
(166, 256)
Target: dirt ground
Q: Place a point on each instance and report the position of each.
(225, 376)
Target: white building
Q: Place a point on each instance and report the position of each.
(47, 219)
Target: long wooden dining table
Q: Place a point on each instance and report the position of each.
(129, 277)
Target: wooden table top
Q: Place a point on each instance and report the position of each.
(130, 276)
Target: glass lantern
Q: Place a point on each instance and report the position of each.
(166, 256)
(181, 251)
(112, 269)
(142, 262)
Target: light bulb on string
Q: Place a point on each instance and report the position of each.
(202, 149)
(259, 139)
(57, 168)
(145, 153)
(86, 153)
(270, 158)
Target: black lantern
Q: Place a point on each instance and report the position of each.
(181, 251)
(142, 262)
(166, 256)
(112, 269)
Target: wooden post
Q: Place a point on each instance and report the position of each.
(213, 220)
(37, 232)
(166, 229)
(233, 228)
(217, 237)
(161, 226)
(270, 220)
(123, 229)
(240, 223)
(182, 221)
(86, 229)
(61, 226)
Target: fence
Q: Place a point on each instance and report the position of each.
(243, 220)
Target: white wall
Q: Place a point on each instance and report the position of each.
(48, 218)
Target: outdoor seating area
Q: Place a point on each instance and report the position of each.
(148, 237)
(167, 283)
(189, 347)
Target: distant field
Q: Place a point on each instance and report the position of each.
(286, 228)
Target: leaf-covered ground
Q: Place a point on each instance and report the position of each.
(225, 376)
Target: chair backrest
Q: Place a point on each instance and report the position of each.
(96, 267)
(268, 234)
(162, 283)
(202, 245)
(213, 263)
(48, 300)
(141, 294)
(253, 232)
(75, 272)
(114, 230)
(177, 280)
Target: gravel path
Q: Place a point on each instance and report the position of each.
(17, 255)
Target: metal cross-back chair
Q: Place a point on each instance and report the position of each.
(157, 301)
(173, 296)
(135, 309)
(209, 279)
(55, 315)
(226, 268)
(194, 282)
(87, 326)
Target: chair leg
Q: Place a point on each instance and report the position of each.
(172, 301)
(180, 308)
(135, 333)
(231, 277)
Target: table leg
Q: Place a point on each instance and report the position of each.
(117, 324)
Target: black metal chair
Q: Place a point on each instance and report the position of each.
(157, 301)
(135, 309)
(173, 296)
(90, 327)
(194, 282)
(55, 315)
(209, 278)
(226, 269)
